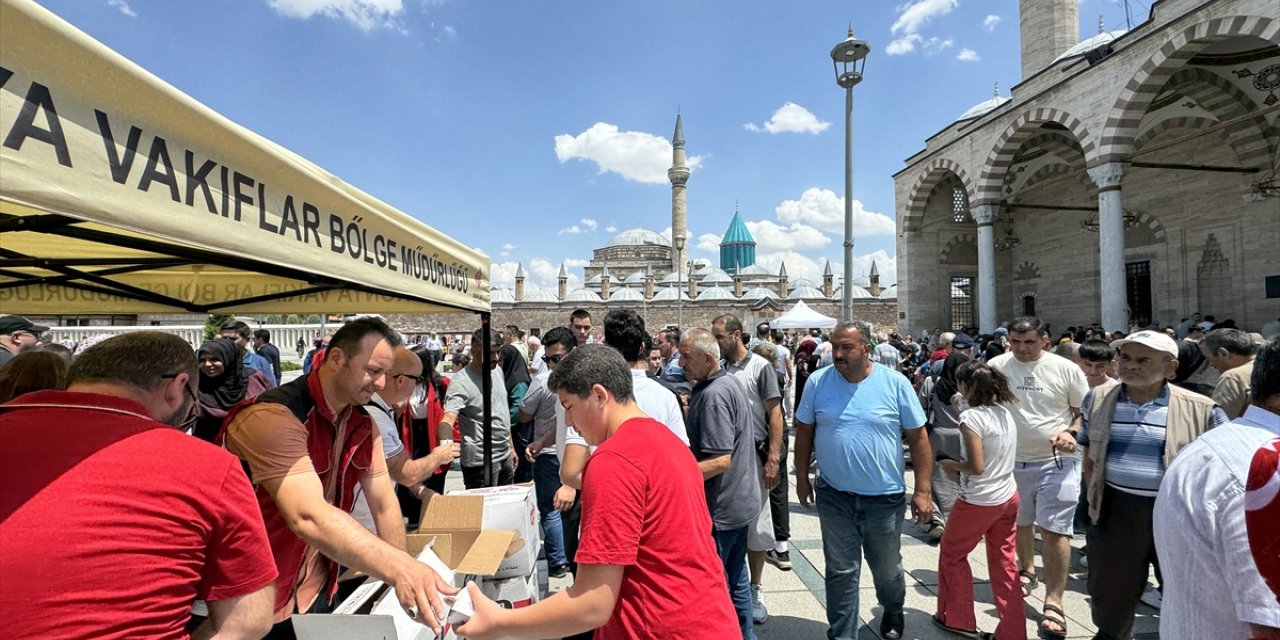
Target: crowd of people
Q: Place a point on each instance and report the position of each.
(196, 482)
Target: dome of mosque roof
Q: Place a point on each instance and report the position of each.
(595, 280)
(534, 293)
(716, 293)
(759, 293)
(890, 293)
(626, 295)
(702, 269)
(755, 270)
(737, 232)
(500, 295)
(673, 277)
(806, 293)
(802, 282)
(635, 278)
(670, 295)
(638, 237)
(1089, 44)
(858, 293)
(583, 295)
(716, 277)
(983, 108)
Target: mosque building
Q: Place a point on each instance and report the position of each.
(642, 269)
(1130, 178)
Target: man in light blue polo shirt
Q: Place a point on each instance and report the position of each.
(858, 413)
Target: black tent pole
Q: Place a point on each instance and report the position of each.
(486, 390)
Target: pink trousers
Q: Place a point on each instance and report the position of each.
(966, 525)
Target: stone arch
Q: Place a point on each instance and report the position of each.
(1180, 122)
(1027, 271)
(1229, 105)
(1047, 172)
(960, 250)
(1063, 153)
(1151, 222)
(1126, 114)
(1025, 126)
(931, 175)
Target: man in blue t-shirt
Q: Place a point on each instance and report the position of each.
(858, 412)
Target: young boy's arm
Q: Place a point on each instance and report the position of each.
(586, 605)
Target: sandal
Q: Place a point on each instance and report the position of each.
(1029, 582)
(1058, 617)
(956, 630)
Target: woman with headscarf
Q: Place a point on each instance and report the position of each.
(805, 364)
(945, 405)
(515, 373)
(224, 383)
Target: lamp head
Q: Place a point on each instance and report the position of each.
(849, 58)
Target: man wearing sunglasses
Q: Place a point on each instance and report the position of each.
(108, 446)
(387, 408)
(17, 334)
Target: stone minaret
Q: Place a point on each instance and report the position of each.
(737, 280)
(783, 289)
(678, 174)
(828, 281)
(648, 282)
(693, 285)
(1049, 27)
(563, 290)
(604, 283)
(874, 276)
(519, 282)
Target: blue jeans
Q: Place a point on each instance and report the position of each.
(732, 547)
(546, 481)
(851, 525)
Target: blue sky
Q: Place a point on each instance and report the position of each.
(535, 131)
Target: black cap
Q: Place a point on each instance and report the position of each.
(10, 324)
(962, 341)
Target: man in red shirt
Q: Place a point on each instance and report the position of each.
(112, 521)
(647, 566)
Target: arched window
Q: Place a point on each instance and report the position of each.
(959, 205)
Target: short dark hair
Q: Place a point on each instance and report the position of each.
(762, 329)
(672, 334)
(593, 364)
(1265, 381)
(140, 359)
(1097, 351)
(863, 329)
(732, 323)
(624, 330)
(561, 336)
(579, 314)
(1235, 341)
(984, 385)
(239, 327)
(34, 370)
(349, 337)
(263, 335)
(1023, 324)
(477, 338)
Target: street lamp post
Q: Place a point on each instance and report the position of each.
(679, 242)
(849, 58)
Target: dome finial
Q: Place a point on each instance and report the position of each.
(851, 30)
(997, 83)
(1102, 26)
(737, 205)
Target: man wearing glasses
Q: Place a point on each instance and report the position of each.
(387, 408)
(17, 334)
(108, 447)
(1050, 390)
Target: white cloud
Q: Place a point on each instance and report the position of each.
(610, 229)
(502, 274)
(800, 265)
(585, 225)
(989, 23)
(913, 17)
(508, 246)
(122, 7)
(886, 266)
(546, 274)
(450, 31)
(968, 55)
(771, 236)
(823, 209)
(709, 242)
(790, 118)
(366, 15)
(634, 155)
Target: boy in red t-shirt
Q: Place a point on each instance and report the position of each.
(647, 565)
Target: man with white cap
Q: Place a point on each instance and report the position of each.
(1130, 434)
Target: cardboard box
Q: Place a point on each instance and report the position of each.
(511, 593)
(510, 508)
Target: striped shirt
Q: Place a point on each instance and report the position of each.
(1135, 450)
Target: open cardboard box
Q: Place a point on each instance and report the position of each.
(508, 508)
(451, 542)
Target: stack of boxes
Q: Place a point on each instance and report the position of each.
(488, 536)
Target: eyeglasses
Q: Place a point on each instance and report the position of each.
(416, 379)
(553, 359)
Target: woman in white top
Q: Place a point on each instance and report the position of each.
(987, 508)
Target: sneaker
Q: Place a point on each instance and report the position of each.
(891, 626)
(779, 559)
(759, 612)
(935, 533)
(1084, 557)
(1152, 597)
(558, 571)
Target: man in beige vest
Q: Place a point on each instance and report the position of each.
(1130, 433)
(1231, 352)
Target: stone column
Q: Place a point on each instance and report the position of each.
(1111, 245)
(985, 216)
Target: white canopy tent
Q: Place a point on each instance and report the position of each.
(802, 316)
